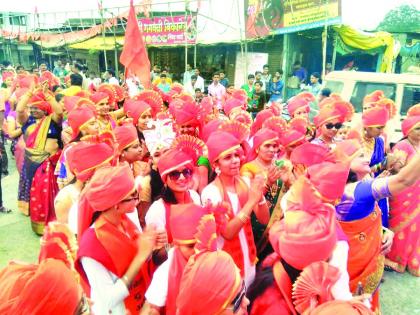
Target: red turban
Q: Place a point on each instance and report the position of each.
(38, 100)
(134, 109)
(373, 97)
(50, 78)
(307, 233)
(98, 96)
(342, 308)
(107, 187)
(414, 110)
(231, 104)
(221, 143)
(262, 136)
(78, 117)
(98, 154)
(375, 116)
(211, 279)
(171, 160)
(261, 117)
(209, 128)
(70, 102)
(297, 103)
(50, 288)
(184, 220)
(410, 123)
(188, 114)
(125, 135)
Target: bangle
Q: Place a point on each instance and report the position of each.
(243, 217)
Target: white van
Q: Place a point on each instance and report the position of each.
(403, 89)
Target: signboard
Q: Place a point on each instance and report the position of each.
(286, 16)
(168, 30)
(253, 61)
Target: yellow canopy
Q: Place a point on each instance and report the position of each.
(100, 43)
(369, 41)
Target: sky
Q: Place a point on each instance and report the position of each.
(363, 14)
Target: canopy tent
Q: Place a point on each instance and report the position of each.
(351, 40)
(100, 43)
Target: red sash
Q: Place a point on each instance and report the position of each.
(174, 280)
(167, 218)
(233, 246)
(115, 251)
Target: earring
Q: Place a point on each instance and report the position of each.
(217, 170)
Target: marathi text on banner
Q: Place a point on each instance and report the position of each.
(169, 30)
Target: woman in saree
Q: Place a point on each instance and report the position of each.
(404, 218)
(360, 219)
(262, 161)
(374, 120)
(113, 257)
(243, 197)
(42, 133)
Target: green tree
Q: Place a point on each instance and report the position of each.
(405, 18)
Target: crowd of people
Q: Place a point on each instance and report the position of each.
(164, 200)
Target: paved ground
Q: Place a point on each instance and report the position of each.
(399, 292)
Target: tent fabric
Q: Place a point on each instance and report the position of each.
(370, 42)
(99, 43)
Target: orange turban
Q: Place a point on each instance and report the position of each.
(188, 114)
(307, 233)
(341, 110)
(341, 308)
(220, 143)
(50, 288)
(374, 97)
(172, 160)
(126, 136)
(99, 154)
(134, 109)
(375, 116)
(211, 279)
(70, 102)
(107, 187)
(78, 117)
(38, 100)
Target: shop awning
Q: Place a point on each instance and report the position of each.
(100, 43)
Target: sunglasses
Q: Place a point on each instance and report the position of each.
(237, 301)
(175, 175)
(336, 126)
(132, 197)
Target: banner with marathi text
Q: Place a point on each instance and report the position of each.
(169, 30)
(265, 18)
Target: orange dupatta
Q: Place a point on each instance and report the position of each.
(233, 246)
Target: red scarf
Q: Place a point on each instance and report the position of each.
(233, 246)
(174, 280)
(116, 250)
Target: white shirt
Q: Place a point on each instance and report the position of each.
(212, 194)
(107, 291)
(156, 215)
(186, 78)
(199, 84)
(157, 292)
(113, 80)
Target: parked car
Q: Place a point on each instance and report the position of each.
(403, 89)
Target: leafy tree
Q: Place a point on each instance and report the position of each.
(402, 19)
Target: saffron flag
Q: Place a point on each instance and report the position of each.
(134, 55)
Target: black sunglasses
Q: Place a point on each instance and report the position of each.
(186, 172)
(237, 301)
(336, 126)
